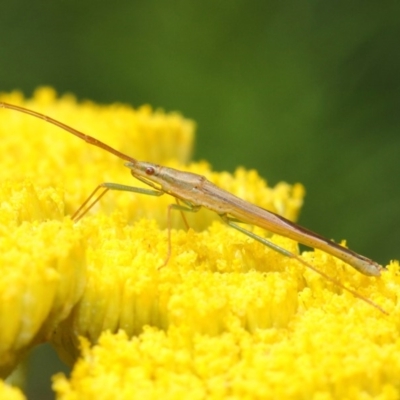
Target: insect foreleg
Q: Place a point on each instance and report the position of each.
(106, 186)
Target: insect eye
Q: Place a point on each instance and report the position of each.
(150, 171)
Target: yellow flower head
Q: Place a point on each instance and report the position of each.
(300, 362)
(229, 316)
(10, 393)
(42, 268)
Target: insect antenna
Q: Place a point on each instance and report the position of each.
(87, 138)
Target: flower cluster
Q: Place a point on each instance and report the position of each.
(226, 317)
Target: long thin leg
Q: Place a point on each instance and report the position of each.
(106, 186)
(182, 208)
(266, 242)
(183, 215)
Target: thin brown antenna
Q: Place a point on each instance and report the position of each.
(88, 139)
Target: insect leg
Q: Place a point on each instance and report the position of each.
(232, 222)
(92, 200)
(188, 207)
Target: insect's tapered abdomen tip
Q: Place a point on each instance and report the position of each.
(369, 267)
(378, 271)
(364, 264)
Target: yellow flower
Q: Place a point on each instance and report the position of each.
(320, 355)
(42, 268)
(228, 316)
(10, 393)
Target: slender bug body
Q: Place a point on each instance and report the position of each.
(195, 191)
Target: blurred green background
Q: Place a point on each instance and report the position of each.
(303, 91)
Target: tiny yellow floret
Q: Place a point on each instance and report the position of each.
(10, 393)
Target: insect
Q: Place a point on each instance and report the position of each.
(194, 191)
